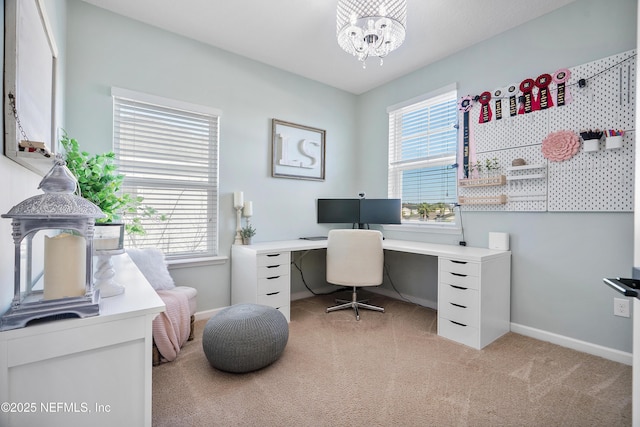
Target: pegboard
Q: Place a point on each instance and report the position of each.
(600, 180)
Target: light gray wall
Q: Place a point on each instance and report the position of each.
(559, 259)
(19, 183)
(108, 50)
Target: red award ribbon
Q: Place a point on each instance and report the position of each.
(465, 105)
(560, 78)
(485, 110)
(543, 100)
(498, 93)
(526, 87)
(512, 92)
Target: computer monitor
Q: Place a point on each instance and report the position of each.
(338, 211)
(380, 211)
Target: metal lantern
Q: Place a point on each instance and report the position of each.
(53, 238)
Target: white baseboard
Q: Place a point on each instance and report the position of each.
(583, 346)
(372, 289)
(393, 294)
(572, 343)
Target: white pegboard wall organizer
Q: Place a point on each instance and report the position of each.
(601, 180)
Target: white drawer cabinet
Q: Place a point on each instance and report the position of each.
(474, 299)
(94, 371)
(261, 278)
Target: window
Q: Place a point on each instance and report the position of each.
(422, 158)
(168, 153)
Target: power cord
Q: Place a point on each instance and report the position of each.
(386, 270)
(304, 281)
(461, 242)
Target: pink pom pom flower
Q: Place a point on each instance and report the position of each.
(560, 146)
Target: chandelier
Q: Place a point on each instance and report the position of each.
(367, 28)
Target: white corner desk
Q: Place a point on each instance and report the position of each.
(474, 284)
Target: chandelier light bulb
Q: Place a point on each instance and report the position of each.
(371, 27)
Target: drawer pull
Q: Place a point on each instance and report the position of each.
(273, 293)
(459, 287)
(458, 323)
(272, 255)
(458, 262)
(459, 275)
(273, 277)
(273, 266)
(458, 305)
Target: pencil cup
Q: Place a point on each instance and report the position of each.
(591, 144)
(614, 142)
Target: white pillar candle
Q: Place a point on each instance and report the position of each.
(238, 199)
(248, 208)
(64, 266)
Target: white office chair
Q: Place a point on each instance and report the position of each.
(354, 258)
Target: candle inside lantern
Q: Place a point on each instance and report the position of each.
(247, 210)
(64, 266)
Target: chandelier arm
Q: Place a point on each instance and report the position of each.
(367, 28)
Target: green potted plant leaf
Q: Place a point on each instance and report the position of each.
(99, 182)
(247, 232)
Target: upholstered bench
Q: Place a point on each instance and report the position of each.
(180, 304)
(245, 337)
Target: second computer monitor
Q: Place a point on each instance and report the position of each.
(380, 211)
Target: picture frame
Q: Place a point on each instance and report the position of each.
(298, 151)
(30, 60)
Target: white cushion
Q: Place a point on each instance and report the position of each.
(151, 263)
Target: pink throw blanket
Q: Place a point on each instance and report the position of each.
(171, 327)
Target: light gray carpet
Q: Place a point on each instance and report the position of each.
(391, 369)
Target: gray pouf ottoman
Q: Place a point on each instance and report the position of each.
(245, 337)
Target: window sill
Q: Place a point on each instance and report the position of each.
(197, 262)
(423, 228)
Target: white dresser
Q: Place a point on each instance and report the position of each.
(261, 277)
(473, 299)
(94, 371)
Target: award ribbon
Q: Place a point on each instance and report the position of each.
(526, 87)
(512, 91)
(465, 105)
(485, 110)
(498, 102)
(560, 78)
(543, 100)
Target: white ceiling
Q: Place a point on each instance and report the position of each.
(299, 35)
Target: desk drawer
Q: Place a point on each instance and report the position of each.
(267, 285)
(273, 270)
(465, 268)
(461, 305)
(458, 279)
(276, 299)
(274, 258)
(458, 332)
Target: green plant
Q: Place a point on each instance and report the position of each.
(100, 182)
(492, 164)
(247, 231)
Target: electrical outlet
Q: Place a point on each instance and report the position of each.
(621, 307)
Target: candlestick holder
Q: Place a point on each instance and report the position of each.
(238, 240)
(105, 273)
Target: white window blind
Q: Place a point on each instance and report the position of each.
(422, 157)
(168, 153)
